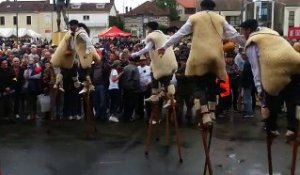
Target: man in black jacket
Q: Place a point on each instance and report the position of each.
(19, 96)
(6, 90)
(130, 82)
(247, 85)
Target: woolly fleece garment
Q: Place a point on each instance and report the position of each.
(161, 65)
(278, 60)
(207, 55)
(60, 59)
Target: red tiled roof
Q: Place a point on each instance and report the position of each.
(187, 3)
(148, 8)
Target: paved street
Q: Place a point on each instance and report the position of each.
(238, 148)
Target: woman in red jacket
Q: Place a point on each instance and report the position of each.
(224, 97)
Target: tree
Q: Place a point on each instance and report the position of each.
(171, 6)
(116, 21)
(163, 28)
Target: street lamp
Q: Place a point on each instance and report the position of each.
(17, 20)
(243, 8)
(145, 21)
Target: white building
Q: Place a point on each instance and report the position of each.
(40, 16)
(276, 14)
(94, 15)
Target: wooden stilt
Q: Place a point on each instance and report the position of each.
(155, 114)
(295, 149)
(204, 131)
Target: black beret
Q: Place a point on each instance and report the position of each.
(152, 25)
(250, 24)
(73, 22)
(208, 4)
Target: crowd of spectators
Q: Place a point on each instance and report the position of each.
(121, 83)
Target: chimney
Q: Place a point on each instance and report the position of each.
(126, 9)
(130, 8)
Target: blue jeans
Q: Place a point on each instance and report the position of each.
(99, 101)
(247, 100)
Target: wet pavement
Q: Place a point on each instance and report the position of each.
(61, 148)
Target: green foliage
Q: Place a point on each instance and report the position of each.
(171, 6)
(117, 22)
(162, 27)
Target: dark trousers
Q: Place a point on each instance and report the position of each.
(130, 102)
(205, 88)
(6, 106)
(234, 85)
(99, 101)
(114, 96)
(19, 103)
(72, 103)
(32, 104)
(224, 104)
(253, 94)
(141, 106)
(165, 81)
(291, 96)
(181, 100)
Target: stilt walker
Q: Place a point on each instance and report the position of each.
(206, 61)
(76, 45)
(276, 69)
(296, 139)
(163, 70)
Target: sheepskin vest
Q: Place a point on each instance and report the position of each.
(206, 55)
(165, 65)
(278, 60)
(61, 59)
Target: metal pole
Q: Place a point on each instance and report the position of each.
(17, 24)
(17, 21)
(242, 12)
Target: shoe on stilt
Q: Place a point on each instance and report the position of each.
(152, 98)
(61, 89)
(83, 91)
(169, 103)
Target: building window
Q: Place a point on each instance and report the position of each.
(28, 20)
(75, 6)
(86, 17)
(100, 6)
(179, 12)
(190, 11)
(233, 20)
(291, 18)
(263, 11)
(15, 20)
(2, 20)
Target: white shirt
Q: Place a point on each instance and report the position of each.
(145, 76)
(238, 60)
(149, 46)
(84, 36)
(252, 53)
(186, 29)
(113, 85)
